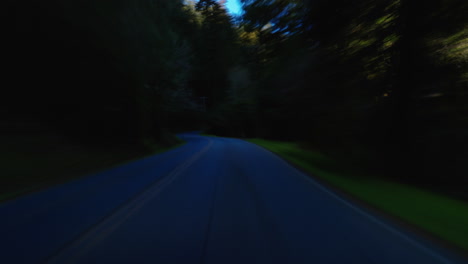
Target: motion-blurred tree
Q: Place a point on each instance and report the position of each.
(93, 67)
(216, 52)
(386, 78)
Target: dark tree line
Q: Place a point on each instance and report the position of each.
(380, 84)
(104, 72)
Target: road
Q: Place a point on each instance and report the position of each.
(213, 200)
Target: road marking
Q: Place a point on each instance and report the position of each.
(100, 231)
(359, 210)
(73, 195)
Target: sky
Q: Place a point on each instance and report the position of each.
(234, 7)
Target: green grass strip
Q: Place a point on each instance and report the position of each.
(442, 216)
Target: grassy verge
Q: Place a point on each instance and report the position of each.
(35, 162)
(443, 217)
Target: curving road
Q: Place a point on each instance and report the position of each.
(213, 200)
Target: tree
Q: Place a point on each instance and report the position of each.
(216, 52)
(94, 67)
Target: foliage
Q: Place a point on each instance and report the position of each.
(385, 79)
(107, 70)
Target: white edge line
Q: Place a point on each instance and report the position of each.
(352, 206)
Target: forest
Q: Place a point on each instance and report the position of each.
(379, 85)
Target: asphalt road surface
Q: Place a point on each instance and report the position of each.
(213, 200)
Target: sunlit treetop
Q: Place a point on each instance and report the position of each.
(284, 16)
